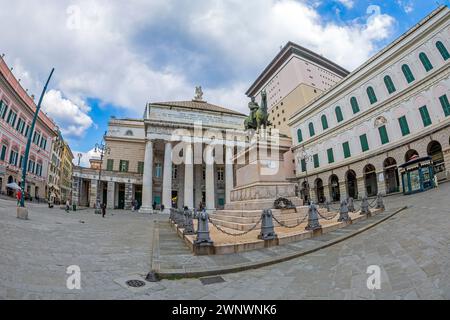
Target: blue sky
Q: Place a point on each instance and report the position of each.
(112, 57)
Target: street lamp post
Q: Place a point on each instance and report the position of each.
(80, 155)
(307, 158)
(103, 149)
(21, 211)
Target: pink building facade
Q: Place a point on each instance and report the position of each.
(16, 114)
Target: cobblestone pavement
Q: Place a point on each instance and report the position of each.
(412, 250)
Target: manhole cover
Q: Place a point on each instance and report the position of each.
(135, 283)
(211, 280)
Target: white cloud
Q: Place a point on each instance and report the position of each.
(406, 5)
(85, 157)
(348, 3)
(71, 118)
(112, 50)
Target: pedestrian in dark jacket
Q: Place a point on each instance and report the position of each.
(103, 210)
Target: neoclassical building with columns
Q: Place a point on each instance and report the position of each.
(173, 157)
(351, 140)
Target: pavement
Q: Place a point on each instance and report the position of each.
(412, 250)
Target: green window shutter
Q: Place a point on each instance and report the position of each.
(445, 104)
(311, 129)
(303, 162)
(443, 50)
(404, 125)
(126, 166)
(299, 135)
(221, 201)
(140, 167)
(425, 61)
(316, 160)
(389, 84)
(407, 73)
(324, 122)
(123, 166)
(354, 104)
(330, 155)
(425, 116)
(383, 135)
(3, 155)
(371, 95)
(110, 164)
(364, 143)
(346, 148)
(9, 116)
(339, 116)
(3, 110)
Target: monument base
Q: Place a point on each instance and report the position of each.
(146, 210)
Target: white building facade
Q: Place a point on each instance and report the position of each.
(350, 140)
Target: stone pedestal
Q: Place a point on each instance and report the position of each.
(22, 213)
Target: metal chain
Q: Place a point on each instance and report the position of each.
(331, 218)
(234, 234)
(290, 227)
(373, 204)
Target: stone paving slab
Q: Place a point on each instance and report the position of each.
(174, 258)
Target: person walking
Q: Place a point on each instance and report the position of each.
(103, 210)
(19, 196)
(67, 206)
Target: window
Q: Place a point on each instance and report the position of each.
(338, 112)
(129, 133)
(21, 161)
(43, 143)
(383, 135)
(364, 143)
(36, 138)
(346, 148)
(354, 104)
(299, 135)
(407, 73)
(11, 118)
(425, 61)
(425, 116)
(3, 109)
(445, 104)
(158, 170)
(403, 125)
(20, 125)
(123, 166)
(330, 155)
(324, 122)
(110, 164)
(13, 158)
(27, 129)
(316, 160)
(220, 174)
(371, 95)
(311, 129)
(31, 165)
(303, 164)
(389, 84)
(140, 167)
(443, 50)
(3, 154)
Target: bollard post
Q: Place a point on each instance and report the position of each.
(365, 206)
(267, 228)
(380, 204)
(350, 205)
(189, 225)
(343, 212)
(203, 243)
(313, 218)
(328, 205)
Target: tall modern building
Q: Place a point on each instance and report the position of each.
(292, 79)
(395, 107)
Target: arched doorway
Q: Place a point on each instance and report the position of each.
(319, 191)
(370, 180)
(434, 150)
(335, 194)
(391, 175)
(352, 186)
(411, 153)
(9, 191)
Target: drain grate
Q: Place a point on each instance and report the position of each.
(211, 280)
(135, 283)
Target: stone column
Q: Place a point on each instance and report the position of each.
(361, 192)
(93, 193)
(343, 190)
(147, 181)
(128, 195)
(446, 154)
(209, 183)
(76, 185)
(111, 194)
(167, 178)
(228, 173)
(189, 177)
(381, 185)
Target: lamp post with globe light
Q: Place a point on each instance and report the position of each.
(304, 156)
(103, 149)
